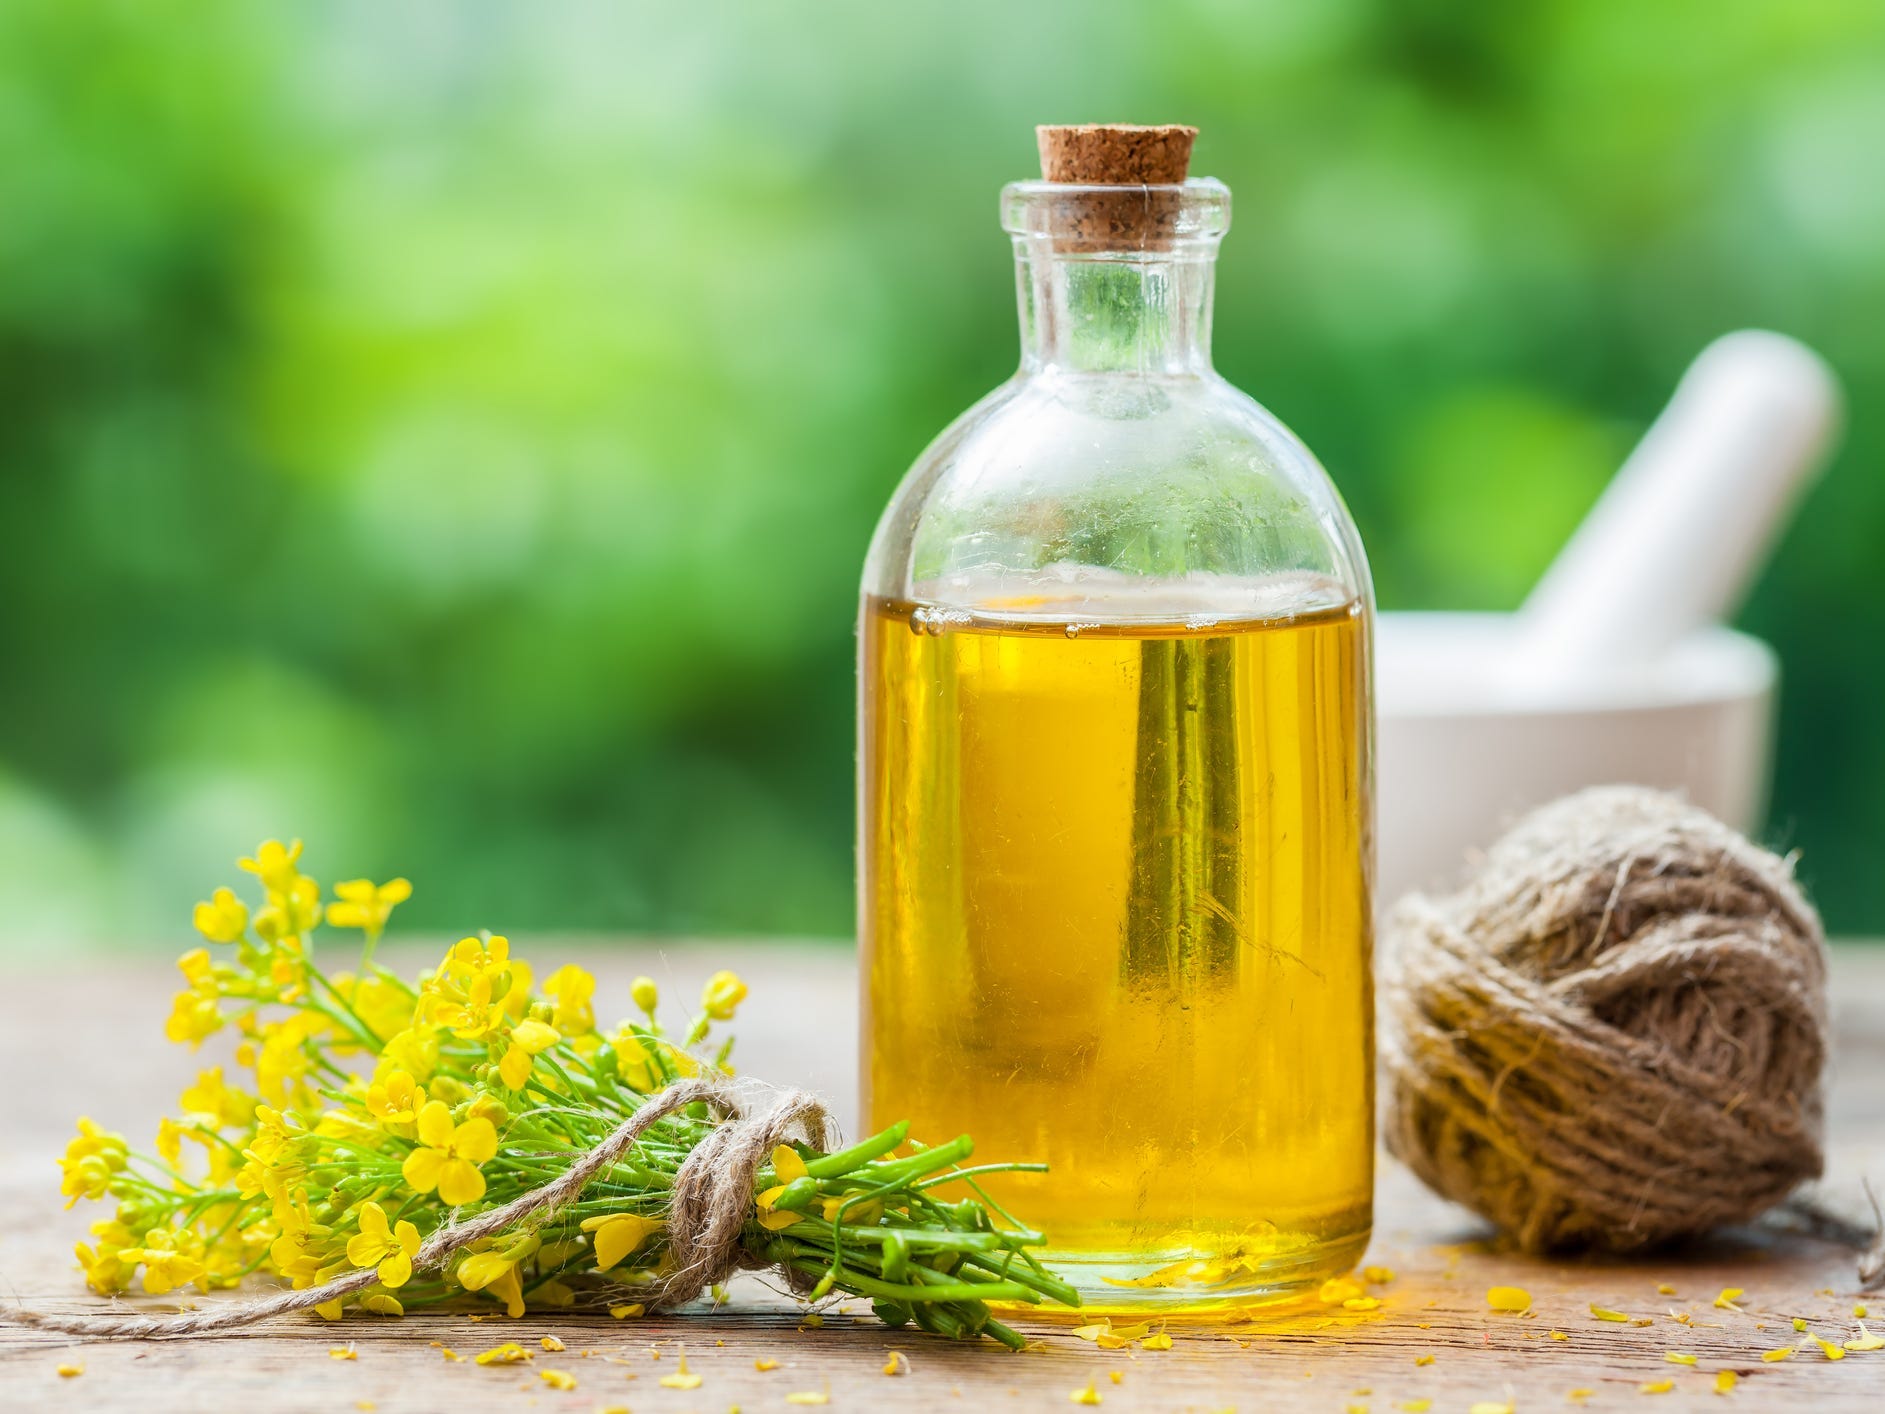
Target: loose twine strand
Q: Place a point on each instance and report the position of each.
(1613, 1036)
(713, 1191)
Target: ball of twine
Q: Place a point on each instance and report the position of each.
(1612, 1037)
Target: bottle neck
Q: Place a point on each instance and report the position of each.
(1141, 312)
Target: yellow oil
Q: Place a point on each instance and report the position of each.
(1115, 917)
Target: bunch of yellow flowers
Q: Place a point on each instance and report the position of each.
(368, 1110)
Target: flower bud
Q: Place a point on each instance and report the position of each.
(645, 993)
(724, 991)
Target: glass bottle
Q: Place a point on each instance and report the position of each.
(1115, 834)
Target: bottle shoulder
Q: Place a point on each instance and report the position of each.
(1143, 475)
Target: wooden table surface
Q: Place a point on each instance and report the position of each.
(87, 1038)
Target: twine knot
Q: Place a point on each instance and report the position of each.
(714, 1190)
(1613, 1036)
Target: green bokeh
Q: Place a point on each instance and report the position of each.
(451, 432)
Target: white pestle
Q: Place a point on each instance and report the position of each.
(1683, 528)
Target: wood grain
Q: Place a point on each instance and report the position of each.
(85, 1037)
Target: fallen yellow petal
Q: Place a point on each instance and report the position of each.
(509, 1353)
(342, 1352)
(557, 1379)
(451, 1355)
(1509, 1298)
(1831, 1351)
(1161, 1341)
(1578, 1396)
(1361, 1303)
(1799, 1324)
(1089, 1395)
(1416, 1406)
(682, 1378)
(1866, 1341)
(551, 1342)
(1678, 1357)
(1664, 1289)
(1775, 1356)
(633, 1308)
(1725, 1381)
(69, 1372)
(896, 1364)
(809, 1396)
(1557, 1335)
(1423, 1359)
(1492, 1406)
(763, 1365)
(1601, 1314)
(1729, 1295)
(1093, 1332)
(1336, 1290)
(1115, 1376)
(1657, 1386)
(1859, 1313)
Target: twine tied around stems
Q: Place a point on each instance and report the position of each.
(712, 1195)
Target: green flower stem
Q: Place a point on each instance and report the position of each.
(943, 1290)
(845, 1161)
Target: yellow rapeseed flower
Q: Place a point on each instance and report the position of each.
(171, 1258)
(414, 1050)
(90, 1161)
(472, 991)
(619, 1235)
(223, 919)
(496, 1272)
(722, 994)
(106, 1271)
(390, 1249)
(395, 1100)
(289, 913)
(527, 1039)
(571, 991)
(788, 1164)
(634, 1062)
(449, 1155)
(771, 1218)
(363, 904)
(274, 865)
(212, 1100)
(193, 1017)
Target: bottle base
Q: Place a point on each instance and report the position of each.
(1184, 1283)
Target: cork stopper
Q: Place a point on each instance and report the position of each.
(1115, 154)
(1111, 187)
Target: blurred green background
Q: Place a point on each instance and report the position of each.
(451, 432)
